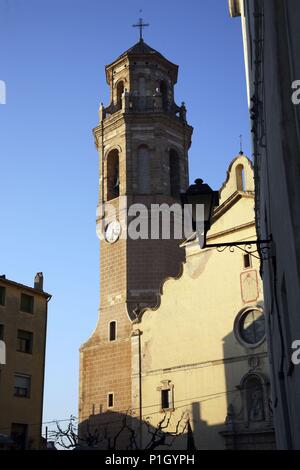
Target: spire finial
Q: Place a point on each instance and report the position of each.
(241, 145)
(141, 25)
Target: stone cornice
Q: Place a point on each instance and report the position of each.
(117, 119)
(212, 363)
(233, 199)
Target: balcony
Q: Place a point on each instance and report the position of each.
(143, 104)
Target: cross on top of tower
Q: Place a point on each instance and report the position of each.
(241, 145)
(141, 25)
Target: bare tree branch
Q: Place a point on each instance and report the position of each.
(108, 437)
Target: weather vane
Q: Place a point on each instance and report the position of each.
(141, 25)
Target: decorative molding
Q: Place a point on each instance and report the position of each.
(235, 197)
(197, 365)
(110, 149)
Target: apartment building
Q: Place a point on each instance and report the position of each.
(23, 324)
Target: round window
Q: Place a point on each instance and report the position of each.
(250, 327)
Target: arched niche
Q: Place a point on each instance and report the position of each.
(254, 389)
(240, 177)
(255, 399)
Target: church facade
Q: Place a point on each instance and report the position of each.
(203, 351)
(179, 342)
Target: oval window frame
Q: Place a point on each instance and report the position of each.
(238, 323)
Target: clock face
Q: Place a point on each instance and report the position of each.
(113, 231)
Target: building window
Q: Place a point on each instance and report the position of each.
(120, 91)
(22, 386)
(112, 331)
(110, 400)
(113, 176)
(252, 326)
(249, 327)
(164, 94)
(165, 399)
(19, 435)
(24, 341)
(166, 391)
(2, 295)
(26, 303)
(1, 332)
(247, 261)
(174, 173)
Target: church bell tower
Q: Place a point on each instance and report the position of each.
(143, 140)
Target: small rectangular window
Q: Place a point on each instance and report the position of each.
(110, 400)
(247, 261)
(26, 303)
(22, 386)
(24, 341)
(112, 331)
(165, 399)
(2, 295)
(1, 332)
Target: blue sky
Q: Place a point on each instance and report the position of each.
(53, 54)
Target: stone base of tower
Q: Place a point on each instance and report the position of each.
(105, 369)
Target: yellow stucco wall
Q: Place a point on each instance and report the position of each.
(189, 339)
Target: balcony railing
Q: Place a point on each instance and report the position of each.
(143, 104)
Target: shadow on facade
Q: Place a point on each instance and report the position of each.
(120, 431)
(246, 425)
(204, 434)
(249, 421)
